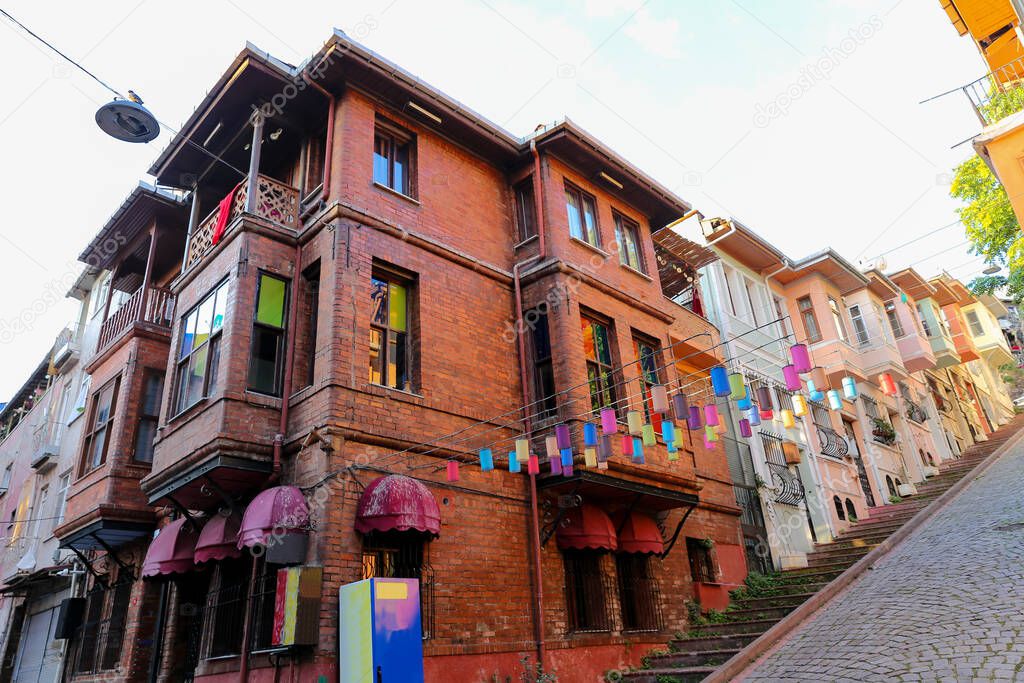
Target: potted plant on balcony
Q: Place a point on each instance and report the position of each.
(883, 431)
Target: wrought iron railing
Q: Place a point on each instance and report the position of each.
(915, 413)
(832, 442)
(589, 592)
(159, 310)
(639, 594)
(789, 490)
(982, 92)
(275, 202)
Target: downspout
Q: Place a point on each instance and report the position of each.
(538, 595)
(243, 666)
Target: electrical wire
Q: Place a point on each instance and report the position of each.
(917, 239)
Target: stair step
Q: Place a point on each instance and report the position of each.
(745, 614)
(690, 659)
(751, 627)
(712, 642)
(821, 573)
(681, 675)
(790, 599)
(848, 556)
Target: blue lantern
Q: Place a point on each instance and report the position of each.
(835, 402)
(590, 434)
(754, 415)
(720, 381)
(486, 459)
(849, 388)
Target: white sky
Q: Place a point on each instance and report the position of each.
(681, 89)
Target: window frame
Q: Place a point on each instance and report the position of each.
(396, 138)
(63, 487)
(860, 327)
(586, 591)
(545, 405)
(582, 199)
(628, 230)
(526, 209)
(210, 346)
(837, 318)
(391, 276)
(605, 377)
(895, 324)
(92, 427)
(280, 332)
(976, 322)
(809, 318)
(640, 342)
(314, 164)
(148, 375)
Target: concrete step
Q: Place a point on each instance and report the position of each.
(867, 540)
(787, 600)
(728, 628)
(822, 558)
(796, 587)
(690, 659)
(818, 574)
(671, 675)
(743, 614)
(711, 642)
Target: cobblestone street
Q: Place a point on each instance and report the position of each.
(947, 605)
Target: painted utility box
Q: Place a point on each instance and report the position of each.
(379, 634)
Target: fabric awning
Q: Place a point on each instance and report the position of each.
(639, 533)
(586, 526)
(173, 549)
(397, 503)
(219, 538)
(279, 510)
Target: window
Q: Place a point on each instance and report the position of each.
(263, 601)
(38, 511)
(393, 158)
(890, 486)
(63, 484)
(924, 321)
(727, 276)
(809, 319)
(526, 210)
(390, 347)
(885, 333)
(974, 322)
(860, 328)
(586, 592)
(598, 354)
(5, 483)
(870, 407)
(851, 511)
(702, 565)
(266, 358)
(543, 369)
(639, 598)
(97, 438)
(309, 321)
(943, 322)
(199, 349)
(83, 395)
(840, 512)
(753, 300)
(780, 315)
(647, 358)
(101, 635)
(582, 211)
(99, 295)
(631, 249)
(837, 318)
(402, 555)
(894, 320)
(313, 173)
(149, 414)
(225, 608)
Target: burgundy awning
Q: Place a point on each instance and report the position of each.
(639, 533)
(397, 503)
(586, 526)
(219, 538)
(173, 549)
(276, 511)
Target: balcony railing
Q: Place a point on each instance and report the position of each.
(984, 93)
(159, 310)
(915, 413)
(274, 201)
(832, 442)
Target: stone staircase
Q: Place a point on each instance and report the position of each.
(767, 600)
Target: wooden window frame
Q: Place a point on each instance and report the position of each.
(281, 333)
(605, 377)
(895, 324)
(93, 427)
(393, 137)
(148, 374)
(545, 406)
(314, 163)
(640, 342)
(384, 273)
(581, 197)
(212, 345)
(628, 230)
(859, 318)
(809, 318)
(836, 309)
(526, 209)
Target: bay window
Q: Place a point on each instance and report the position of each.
(266, 357)
(199, 349)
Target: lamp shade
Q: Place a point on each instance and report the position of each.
(887, 384)
(745, 430)
(787, 418)
(849, 388)
(801, 358)
(648, 436)
(789, 374)
(638, 450)
(820, 379)
(533, 465)
(680, 406)
(590, 456)
(799, 405)
(513, 462)
(486, 459)
(453, 470)
(835, 401)
(710, 434)
(711, 415)
(744, 403)
(634, 421)
(720, 381)
(609, 422)
(791, 452)
(668, 431)
(590, 435)
(737, 390)
(522, 450)
(659, 398)
(709, 445)
(627, 445)
(754, 415)
(693, 420)
(563, 436)
(551, 447)
(764, 398)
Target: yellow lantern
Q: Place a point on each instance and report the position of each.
(787, 418)
(799, 405)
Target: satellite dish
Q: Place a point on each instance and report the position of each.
(991, 270)
(128, 121)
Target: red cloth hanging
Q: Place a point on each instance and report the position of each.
(223, 214)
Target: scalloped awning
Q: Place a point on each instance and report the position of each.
(586, 527)
(173, 550)
(278, 510)
(219, 538)
(397, 503)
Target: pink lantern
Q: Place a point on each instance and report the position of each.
(659, 398)
(711, 415)
(609, 422)
(792, 377)
(453, 470)
(745, 430)
(801, 357)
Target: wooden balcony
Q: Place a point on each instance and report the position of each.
(157, 309)
(274, 201)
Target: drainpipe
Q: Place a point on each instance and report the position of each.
(243, 666)
(289, 362)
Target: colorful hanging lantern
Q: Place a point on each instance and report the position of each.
(887, 383)
(522, 450)
(849, 388)
(609, 421)
(835, 401)
(567, 470)
(634, 421)
(668, 432)
(556, 465)
(744, 403)
(737, 390)
(673, 452)
(789, 374)
(604, 449)
(708, 444)
(799, 405)
(787, 418)
(647, 434)
(659, 398)
(745, 430)
(533, 465)
(590, 434)
(791, 452)
(566, 459)
(453, 470)
(711, 415)
(754, 416)
(513, 462)
(720, 381)
(801, 358)
(551, 447)
(486, 460)
(638, 450)
(710, 433)
(590, 456)
(820, 379)
(764, 400)
(680, 406)
(563, 436)
(693, 420)
(627, 445)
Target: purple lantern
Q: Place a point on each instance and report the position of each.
(801, 358)
(679, 405)
(609, 422)
(792, 377)
(563, 436)
(745, 429)
(693, 419)
(711, 415)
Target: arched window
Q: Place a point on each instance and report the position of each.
(851, 511)
(839, 507)
(931, 459)
(889, 485)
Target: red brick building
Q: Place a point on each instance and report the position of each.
(358, 277)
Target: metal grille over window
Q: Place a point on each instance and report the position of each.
(832, 442)
(403, 555)
(789, 488)
(588, 591)
(639, 596)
